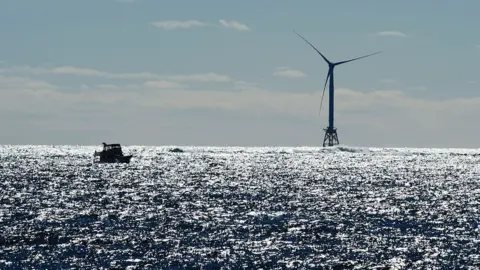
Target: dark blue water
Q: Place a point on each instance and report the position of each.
(240, 208)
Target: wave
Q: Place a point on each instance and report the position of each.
(63, 150)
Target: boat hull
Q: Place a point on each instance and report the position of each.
(122, 159)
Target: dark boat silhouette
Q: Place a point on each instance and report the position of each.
(111, 153)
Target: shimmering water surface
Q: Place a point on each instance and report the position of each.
(240, 208)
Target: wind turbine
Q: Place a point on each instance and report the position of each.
(331, 137)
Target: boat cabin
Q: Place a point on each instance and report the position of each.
(114, 148)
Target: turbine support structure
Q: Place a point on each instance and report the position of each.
(331, 137)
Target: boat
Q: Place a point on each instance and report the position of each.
(111, 153)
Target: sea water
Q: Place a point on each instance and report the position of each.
(240, 208)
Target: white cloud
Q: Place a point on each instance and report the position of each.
(299, 103)
(25, 94)
(243, 85)
(171, 25)
(163, 84)
(234, 25)
(107, 86)
(206, 77)
(391, 33)
(25, 83)
(17, 92)
(77, 71)
(288, 72)
(88, 72)
(27, 104)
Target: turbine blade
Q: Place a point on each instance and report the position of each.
(343, 62)
(324, 87)
(324, 58)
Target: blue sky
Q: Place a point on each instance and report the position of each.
(152, 72)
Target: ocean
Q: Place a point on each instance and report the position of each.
(240, 208)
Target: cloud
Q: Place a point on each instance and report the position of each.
(205, 77)
(77, 71)
(172, 95)
(74, 71)
(171, 25)
(288, 72)
(106, 86)
(243, 85)
(363, 117)
(234, 25)
(472, 82)
(21, 93)
(7, 82)
(88, 72)
(478, 46)
(163, 84)
(391, 33)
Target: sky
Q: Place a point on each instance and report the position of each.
(233, 73)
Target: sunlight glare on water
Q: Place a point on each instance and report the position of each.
(240, 208)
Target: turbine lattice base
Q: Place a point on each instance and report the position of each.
(331, 137)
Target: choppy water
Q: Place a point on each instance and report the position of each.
(240, 208)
